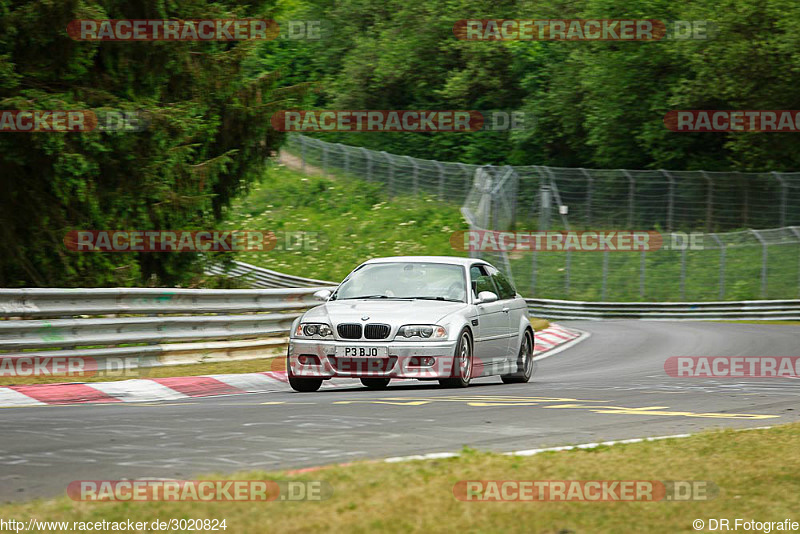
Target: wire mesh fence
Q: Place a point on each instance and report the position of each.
(692, 209)
(612, 198)
(402, 175)
(685, 266)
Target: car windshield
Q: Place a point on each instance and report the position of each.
(406, 280)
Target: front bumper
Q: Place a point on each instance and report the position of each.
(403, 360)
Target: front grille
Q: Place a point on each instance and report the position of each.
(376, 331)
(349, 331)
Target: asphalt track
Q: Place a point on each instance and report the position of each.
(610, 386)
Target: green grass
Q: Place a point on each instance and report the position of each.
(752, 469)
(356, 219)
(742, 275)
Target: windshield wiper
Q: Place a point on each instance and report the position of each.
(434, 298)
(367, 297)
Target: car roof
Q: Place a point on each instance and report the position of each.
(452, 260)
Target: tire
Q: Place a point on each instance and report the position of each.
(525, 363)
(376, 383)
(463, 358)
(303, 385)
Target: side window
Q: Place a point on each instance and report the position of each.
(507, 291)
(481, 280)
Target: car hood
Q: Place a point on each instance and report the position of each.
(391, 312)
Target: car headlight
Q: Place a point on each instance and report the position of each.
(313, 330)
(414, 332)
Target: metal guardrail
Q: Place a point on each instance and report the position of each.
(749, 310)
(265, 278)
(155, 326)
(151, 327)
(71, 302)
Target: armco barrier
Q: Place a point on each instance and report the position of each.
(72, 302)
(667, 311)
(260, 277)
(154, 326)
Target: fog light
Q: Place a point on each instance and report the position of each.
(421, 361)
(306, 359)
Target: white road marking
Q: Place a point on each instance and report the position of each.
(531, 452)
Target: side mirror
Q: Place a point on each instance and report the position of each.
(323, 294)
(484, 297)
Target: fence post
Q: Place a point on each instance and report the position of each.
(415, 176)
(346, 158)
(545, 206)
(746, 206)
(469, 177)
(683, 273)
(631, 195)
(721, 266)
(783, 197)
(486, 199)
(514, 195)
(441, 180)
(368, 157)
(589, 184)
(671, 201)
(390, 164)
(709, 200)
(303, 153)
(763, 263)
(642, 274)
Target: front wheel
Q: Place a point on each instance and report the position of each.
(524, 362)
(303, 385)
(462, 364)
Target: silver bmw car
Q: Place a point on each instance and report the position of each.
(425, 317)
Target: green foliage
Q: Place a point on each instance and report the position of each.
(208, 138)
(598, 104)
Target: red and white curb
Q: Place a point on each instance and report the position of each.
(549, 341)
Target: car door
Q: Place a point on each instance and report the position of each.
(513, 307)
(491, 339)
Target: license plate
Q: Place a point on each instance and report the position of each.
(362, 352)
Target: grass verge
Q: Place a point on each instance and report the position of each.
(752, 470)
(350, 220)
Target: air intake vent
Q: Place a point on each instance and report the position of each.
(349, 331)
(376, 331)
